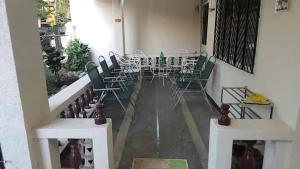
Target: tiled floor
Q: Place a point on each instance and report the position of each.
(159, 131)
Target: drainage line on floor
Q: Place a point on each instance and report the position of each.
(157, 133)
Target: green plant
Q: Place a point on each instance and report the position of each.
(78, 55)
(42, 14)
(53, 59)
(52, 87)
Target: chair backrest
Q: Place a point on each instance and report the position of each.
(177, 61)
(200, 63)
(104, 66)
(169, 61)
(208, 68)
(94, 75)
(114, 61)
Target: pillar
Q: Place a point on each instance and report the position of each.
(24, 100)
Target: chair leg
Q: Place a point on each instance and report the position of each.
(175, 92)
(117, 97)
(120, 84)
(129, 74)
(124, 85)
(172, 84)
(152, 78)
(182, 93)
(178, 99)
(206, 98)
(103, 94)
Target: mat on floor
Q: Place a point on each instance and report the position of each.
(149, 163)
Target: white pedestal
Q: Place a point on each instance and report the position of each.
(277, 134)
(101, 136)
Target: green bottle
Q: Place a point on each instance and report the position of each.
(161, 59)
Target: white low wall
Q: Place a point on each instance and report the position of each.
(277, 134)
(101, 136)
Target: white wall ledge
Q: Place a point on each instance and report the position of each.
(62, 99)
(101, 136)
(260, 129)
(68, 95)
(70, 128)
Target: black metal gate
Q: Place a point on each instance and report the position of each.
(236, 28)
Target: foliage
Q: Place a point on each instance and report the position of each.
(42, 13)
(63, 11)
(78, 55)
(53, 14)
(52, 87)
(53, 59)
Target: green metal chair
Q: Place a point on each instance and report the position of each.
(196, 81)
(190, 69)
(109, 75)
(125, 83)
(125, 71)
(103, 89)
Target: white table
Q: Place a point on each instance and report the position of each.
(163, 72)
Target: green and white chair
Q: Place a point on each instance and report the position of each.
(127, 70)
(195, 81)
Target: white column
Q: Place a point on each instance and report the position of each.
(51, 155)
(220, 149)
(101, 136)
(277, 155)
(24, 101)
(103, 149)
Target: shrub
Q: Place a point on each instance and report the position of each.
(53, 58)
(52, 87)
(78, 55)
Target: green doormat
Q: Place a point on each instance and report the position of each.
(149, 163)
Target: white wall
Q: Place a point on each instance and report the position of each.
(277, 64)
(152, 26)
(94, 22)
(161, 25)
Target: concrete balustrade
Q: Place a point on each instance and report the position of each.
(80, 150)
(100, 136)
(277, 134)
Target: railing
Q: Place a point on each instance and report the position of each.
(174, 60)
(73, 130)
(60, 101)
(100, 137)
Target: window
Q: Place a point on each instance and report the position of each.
(236, 32)
(204, 22)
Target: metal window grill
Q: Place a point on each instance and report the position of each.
(236, 29)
